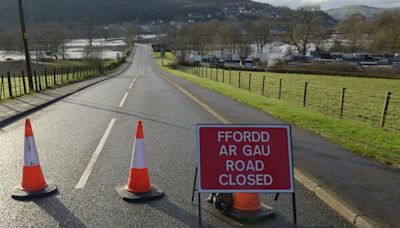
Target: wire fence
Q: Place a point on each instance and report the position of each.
(16, 85)
(378, 110)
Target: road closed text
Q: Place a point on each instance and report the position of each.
(250, 151)
(244, 157)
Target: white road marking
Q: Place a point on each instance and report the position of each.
(137, 75)
(89, 168)
(123, 100)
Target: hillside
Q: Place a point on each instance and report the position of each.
(343, 12)
(114, 11)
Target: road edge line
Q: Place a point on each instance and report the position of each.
(349, 213)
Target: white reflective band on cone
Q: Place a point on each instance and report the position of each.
(139, 155)
(30, 153)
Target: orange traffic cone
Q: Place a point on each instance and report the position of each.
(246, 207)
(33, 183)
(138, 187)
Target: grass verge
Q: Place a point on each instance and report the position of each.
(355, 136)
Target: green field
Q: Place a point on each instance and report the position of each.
(364, 98)
(363, 105)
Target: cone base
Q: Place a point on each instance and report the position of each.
(250, 216)
(138, 197)
(19, 194)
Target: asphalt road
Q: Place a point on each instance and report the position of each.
(68, 133)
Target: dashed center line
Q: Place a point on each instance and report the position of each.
(85, 176)
(123, 100)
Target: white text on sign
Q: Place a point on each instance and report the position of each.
(248, 150)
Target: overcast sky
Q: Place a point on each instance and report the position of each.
(327, 4)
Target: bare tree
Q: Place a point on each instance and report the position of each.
(304, 27)
(232, 35)
(180, 41)
(385, 34)
(260, 32)
(198, 38)
(244, 48)
(52, 38)
(88, 25)
(354, 33)
(221, 38)
(130, 33)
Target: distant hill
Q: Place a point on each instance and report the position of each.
(343, 12)
(114, 11)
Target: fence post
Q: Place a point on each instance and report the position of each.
(67, 74)
(23, 81)
(305, 94)
(2, 89)
(249, 82)
(280, 89)
(240, 73)
(45, 78)
(21, 85)
(37, 81)
(230, 77)
(207, 72)
(61, 79)
(9, 84)
(385, 109)
(217, 79)
(223, 76)
(263, 86)
(15, 85)
(54, 76)
(40, 80)
(342, 97)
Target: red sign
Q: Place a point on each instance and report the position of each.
(245, 158)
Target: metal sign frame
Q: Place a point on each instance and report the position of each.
(277, 192)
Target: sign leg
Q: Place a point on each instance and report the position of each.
(294, 208)
(199, 198)
(194, 184)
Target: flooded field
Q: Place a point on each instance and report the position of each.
(75, 49)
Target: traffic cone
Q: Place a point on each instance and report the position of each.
(138, 187)
(33, 183)
(246, 207)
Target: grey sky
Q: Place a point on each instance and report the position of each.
(327, 4)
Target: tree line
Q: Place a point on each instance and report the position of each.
(303, 29)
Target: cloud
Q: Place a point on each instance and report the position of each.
(326, 4)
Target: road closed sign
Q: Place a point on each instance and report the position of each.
(245, 158)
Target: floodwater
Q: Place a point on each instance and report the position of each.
(75, 49)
